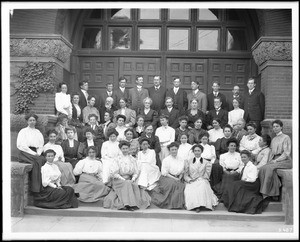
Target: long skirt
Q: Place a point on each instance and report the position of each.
(107, 166)
(199, 194)
(244, 197)
(67, 177)
(163, 153)
(270, 182)
(90, 189)
(56, 198)
(149, 174)
(35, 175)
(126, 193)
(227, 180)
(216, 174)
(168, 193)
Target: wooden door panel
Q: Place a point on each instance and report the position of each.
(187, 70)
(145, 67)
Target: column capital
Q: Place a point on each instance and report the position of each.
(272, 49)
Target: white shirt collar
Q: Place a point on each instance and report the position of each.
(122, 89)
(279, 133)
(196, 91)
(157, 87)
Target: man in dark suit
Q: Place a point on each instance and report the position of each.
(158, 94)
(171, 112)
(213, 95)
(109, 92)
(179, 96)
(137, 95)
(121, 91)
(236, 95)
(217, 112)
(254, 104)
(83, 94)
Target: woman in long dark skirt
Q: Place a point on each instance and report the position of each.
(243, 195)
(30, 142)
(53, 195)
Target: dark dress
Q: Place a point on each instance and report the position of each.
(71, 153)
(77, 122)
(150, 118)
(82, 149)
(192, 118)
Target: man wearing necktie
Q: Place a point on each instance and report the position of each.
(121, 91)
(236, 95)
(213, 95)
(171, 112)
(137, 95)
(83, 94)
(158, 94)
(103, 96)
(217, 112)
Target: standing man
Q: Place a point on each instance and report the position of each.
(137, 95)
(236, 95)
(197, 94)
(158, 94)
(171, 112)
(104, 95)
(179, 96)
(83, 94)
(254, 104)
(213, 95)
(121, 92)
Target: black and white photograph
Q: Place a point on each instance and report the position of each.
(150, 120)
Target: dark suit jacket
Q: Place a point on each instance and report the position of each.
(180, 99)
(192, 118)
(210, 101)
(82, 149)
(100, 102)
(173, 117)
(119, 94)
(222, 115)
(99, 135)
(82, 101)
(158, 98)
(74, 114)
(103, 109)
(254, 105)
(241, 102)
(136, 98)
(150, 118)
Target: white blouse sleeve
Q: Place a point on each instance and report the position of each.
(251, 174)
(79, 167)
(59, 103)
(40, 142)
(22, 144)
(242, 143)
(165, 167)
(222, 160)
(46, 177)
(213, 152)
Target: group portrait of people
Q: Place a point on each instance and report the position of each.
(172, 148)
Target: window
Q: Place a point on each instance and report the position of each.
(149, 38)
(179, 14)
(208, 39)
(236, 39)
(120, 38)
(178, 39)
(120, 14)
(92, 38)
(206, 14)
(149, 14)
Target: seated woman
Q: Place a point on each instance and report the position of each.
(149, 171)
(140, 126)
(236, 114)
(250, 142)
(216, 132)
(70, 147)
(90, 185)
(107, 124)
(239, 130)
(127, 112)
(77, 120)
(242, 195)
(221, 144)
(194, 113)
(196, 132)
(53, 194)
(232, 166)
(150, 115)
(67, 177)
(90, 141)
(125, 193)
(120, 128)
(62, 124)
(63, 101)
(197, 192)
(134, 143)
(169, 192)
(109, 151)
(263, 155)
(30, 142)
(185, 149)
(280, 158)
(89, 109)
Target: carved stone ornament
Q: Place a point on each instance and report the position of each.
(20, 168)
(272, 50)
(34, 47)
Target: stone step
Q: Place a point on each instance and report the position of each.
(272, 207)
(94, 210)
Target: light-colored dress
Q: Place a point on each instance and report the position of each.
(63, 103)
(215, 134)
(198, 192)
(109, 151)
(209, 153)
(121, 130)
(66, 169)
(185, 152)
(262, 157)
(134, 147)
(125, 192)
(87, 111)
(166, 136)
(90, 185)
(234, 116)
(250, 143)
(149, 171)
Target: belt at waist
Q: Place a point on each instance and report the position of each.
(228, 169)
(276, 156)
(127, 177)
(33, 148)
(177, 176)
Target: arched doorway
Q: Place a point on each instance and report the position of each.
(205, 45)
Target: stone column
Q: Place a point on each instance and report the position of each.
(273, 55)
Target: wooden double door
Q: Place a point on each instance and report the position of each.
(228, 72)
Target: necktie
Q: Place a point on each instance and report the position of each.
(250, 92)
(242, 172)
(109, 94)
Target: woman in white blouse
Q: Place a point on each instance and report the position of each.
(149, 171)
(53, 194)
(30, 142)
(90, 185)
(185, 149)
(169, 192)
(197, 192)
(235, 114)
(216, 132)
(125, 193)
(242, 196)
(63, 101)
(66, 169)
(120, 119)
(250, 141)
